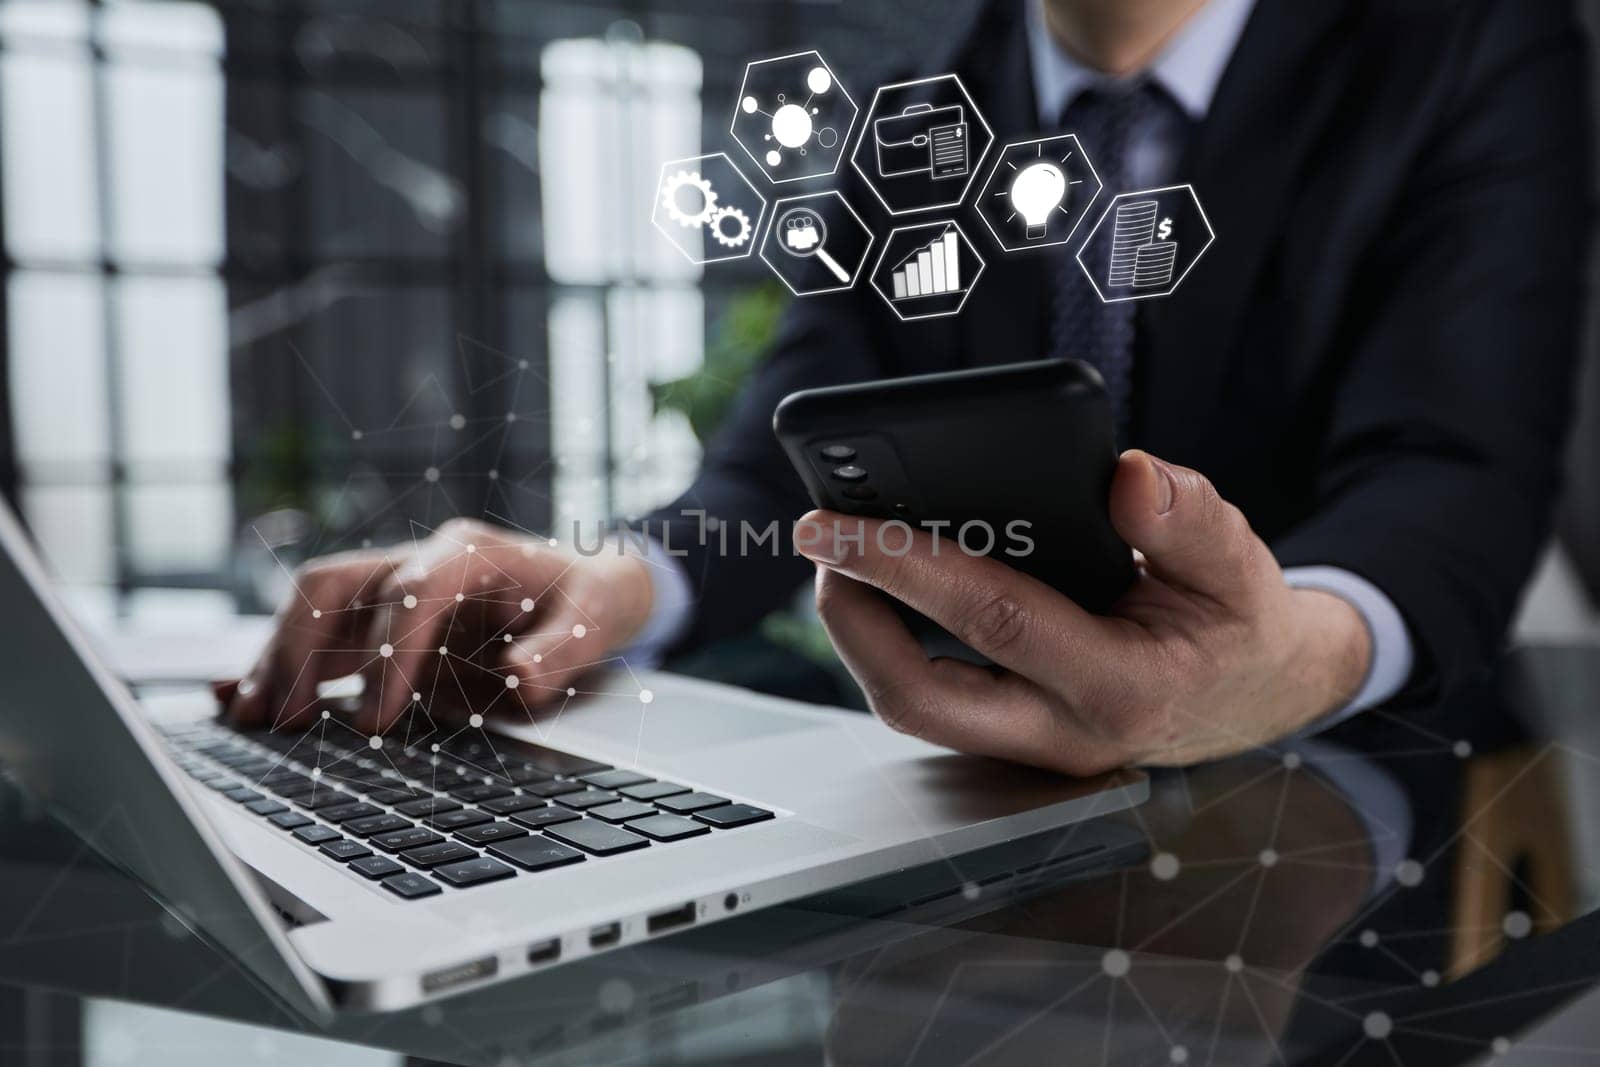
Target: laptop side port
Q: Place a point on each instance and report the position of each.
(545, 951)
(605, 936)
(662, 921)
(460, 974)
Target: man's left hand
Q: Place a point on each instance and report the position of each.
(1209, 653)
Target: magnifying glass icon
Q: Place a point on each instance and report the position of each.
(802, 234)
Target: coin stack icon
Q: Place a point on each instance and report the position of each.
(1134, 229)
(1153, 264)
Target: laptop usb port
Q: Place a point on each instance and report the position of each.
(545, 951)
(605, 936)
(662, 921)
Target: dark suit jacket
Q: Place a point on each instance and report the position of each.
(1374, 359)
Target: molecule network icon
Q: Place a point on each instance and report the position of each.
(793, 117)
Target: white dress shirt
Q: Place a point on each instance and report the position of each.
(1188, 68)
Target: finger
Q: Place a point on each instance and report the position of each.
(324, 639)
(945, 701)
(1188, 534)
(1013, 619)
(560, 645)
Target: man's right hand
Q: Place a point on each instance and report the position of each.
(463, 612)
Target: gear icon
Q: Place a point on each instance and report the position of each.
(689, 214)
(740, 228)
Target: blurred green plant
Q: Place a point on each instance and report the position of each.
(280, 470)
(740, 339)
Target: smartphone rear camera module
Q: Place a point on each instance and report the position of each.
(850, 473)
(838, 453)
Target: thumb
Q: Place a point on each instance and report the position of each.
(1188, 534)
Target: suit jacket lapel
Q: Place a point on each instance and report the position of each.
(1275, 95)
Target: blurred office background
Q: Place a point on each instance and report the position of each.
(301, 275)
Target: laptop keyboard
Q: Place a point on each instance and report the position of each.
(429, 818)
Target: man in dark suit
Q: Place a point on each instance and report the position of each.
(1359, 398)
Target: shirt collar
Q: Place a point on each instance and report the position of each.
(1188, 68)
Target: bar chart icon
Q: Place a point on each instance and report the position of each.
(933, 269)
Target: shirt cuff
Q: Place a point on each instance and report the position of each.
(671, 607)
(1390, 666)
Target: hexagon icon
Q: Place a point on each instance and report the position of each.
(816, 244)
(1145, 243)
(922, 144)
(708, 208)
(793, 117)
(1038, 193)
(927, 271)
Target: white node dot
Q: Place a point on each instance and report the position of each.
(1500, 1046)
(749, 104)
(247, 687)
(316, 772)
(1115, 962)
(1268, 857)
(1517, 924)
(475, 721)
(791, 125)
(511, 416)
(410, 601)
(443, 650)
(506, 639)
(571, 692)
(1291, 760)
(374, 741)
(522, 364)
(774, 158)
(460, 597)
(1462, 749)
(818, 80)
(385, 650)
(512, 681)
(1179, 1054)
(970, 890)
(494, 476)
(457, 421)
(1430, 978)
(1377, 1024)
(538, 658)
(326, 714)
(646, 696)
(1164, 866)
(416, 698)
(579, 630)
(552, 542)
(1369, 938)
(355, 435)
(433, 748)
(1408, 873)
(1234, 963)
(527, 603)
(431, 474)
(316, 613)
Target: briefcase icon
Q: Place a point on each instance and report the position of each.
(922, 139)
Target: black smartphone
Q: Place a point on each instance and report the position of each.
(1013, 462)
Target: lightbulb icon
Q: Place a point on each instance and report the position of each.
(1037, 190)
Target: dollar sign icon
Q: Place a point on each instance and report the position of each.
(1164, 230)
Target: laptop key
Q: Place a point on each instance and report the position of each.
(375, 867)
(434, 855)
(472, 794)
(690, 802)
(411, 886)
(382, 823)
(597, 837)
(535, 820)
(265, 806)
(427, 806)
(473, 872)
(390, 796)
(553, 788)
(410, 837)
(731, 815)
(490, 831)
(668, 827)
(242, 795)
(615, 779)
(289, 820)
(345, 849)
(316, 834)
(456, 820)
(589, 798)
(507, 805)
(347, 812)
(536, 853)
(622, 811)
(324, 797)
(652, 790)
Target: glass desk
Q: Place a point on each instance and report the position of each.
(1426, 902)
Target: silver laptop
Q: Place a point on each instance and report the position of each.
(377, 878)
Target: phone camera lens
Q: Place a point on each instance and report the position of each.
(838, 453)
(850, 473)
(860, 492)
